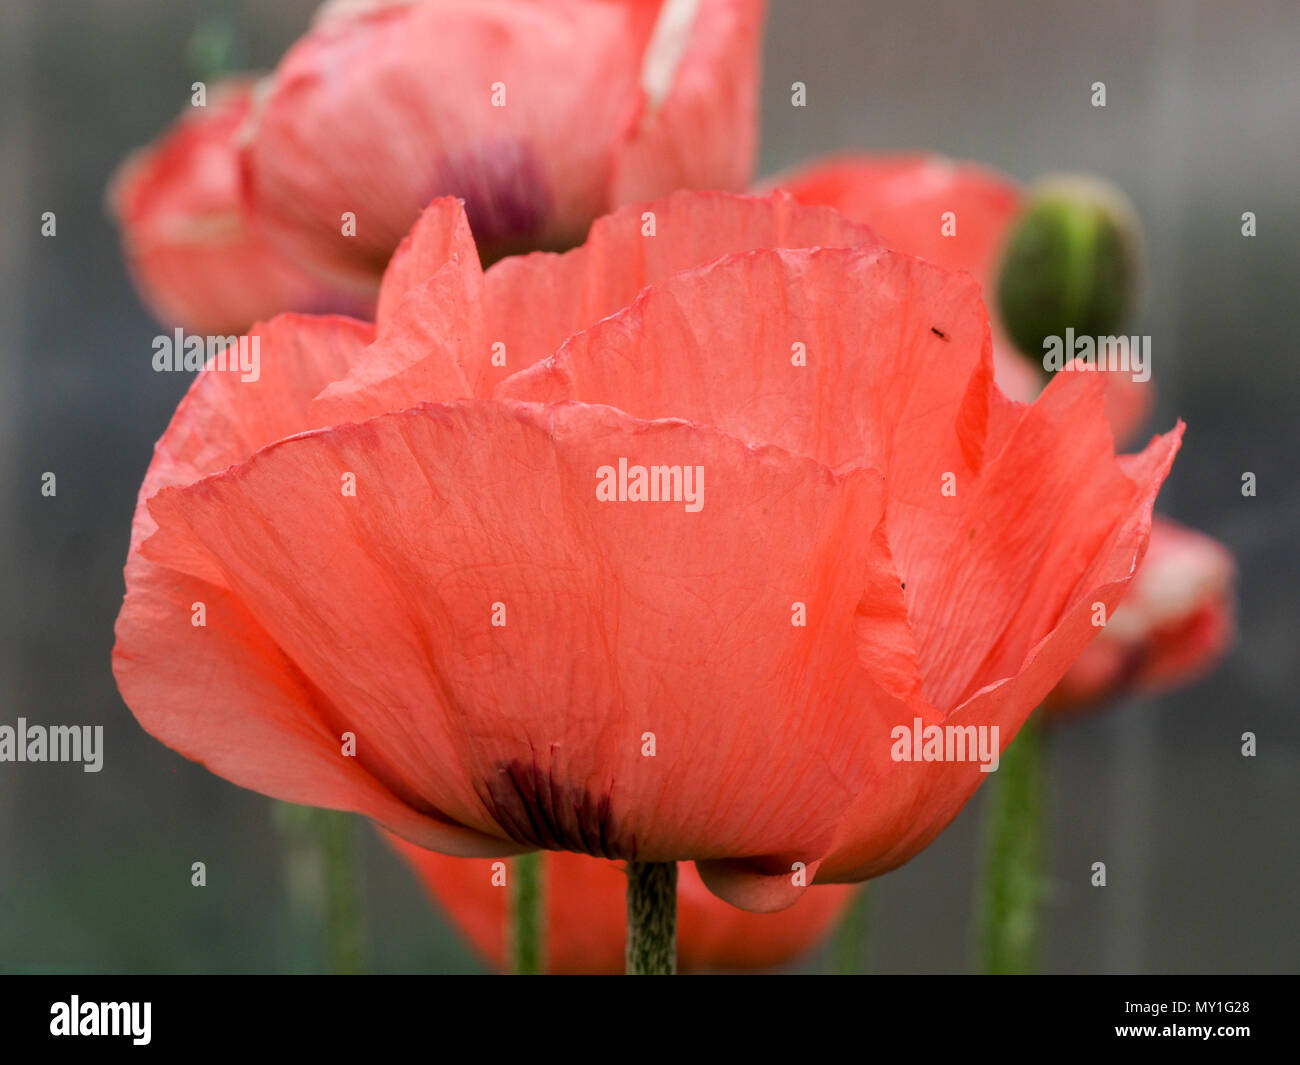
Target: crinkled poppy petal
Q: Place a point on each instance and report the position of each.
(858, 353)
(228, 414)
(440, 237)
(1129, 400)
(223, 694)
(425, 353)
(1014, 560)
(860, 357)
(535, 302)
(379, 113)
(907, 803)
(699, 125)
(700, 718)
(197, 259)
(430, 345)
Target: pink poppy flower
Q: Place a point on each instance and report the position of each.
(197, 259)
(645, 551)
(540, 116)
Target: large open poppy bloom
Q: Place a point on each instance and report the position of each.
(1177, 621)
(539, 562)
(540, 114)
(197, 259)
(584, 924)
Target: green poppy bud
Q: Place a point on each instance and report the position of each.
(1070, 262)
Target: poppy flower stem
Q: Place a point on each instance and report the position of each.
(851, 937)
(1013, 873)
(526, 914)
(651, 918)
(338, 841)
(321, 876)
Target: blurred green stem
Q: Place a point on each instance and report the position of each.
(851, 936)
(1013, 863)
(338, 840)
(322, 878)
(526, 914)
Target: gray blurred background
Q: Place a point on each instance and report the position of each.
(1202, 123)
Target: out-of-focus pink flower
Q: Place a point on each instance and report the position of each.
(197, 259)
(585, 914)
(1173, 626)
(539, 116)
(956, 214)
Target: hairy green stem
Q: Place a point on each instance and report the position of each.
(651, 918)
(1013, 864)
(526, 909)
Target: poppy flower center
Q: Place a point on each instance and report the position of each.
(506, 194)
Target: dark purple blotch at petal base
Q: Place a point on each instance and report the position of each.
(507, 198)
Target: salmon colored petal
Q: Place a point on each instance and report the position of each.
(438, 343)
(440, 237)
(895, 375)
(769, 884)
(221, 692)
(1005, 576)
(907, 803)
(1174, 624)
(198, 261)
(687, 616)
(535, 302)
(378, 113)
(856, 346)
(699, 125)
(224, 695)
(227, 415)
(586, 915)
(430, 345)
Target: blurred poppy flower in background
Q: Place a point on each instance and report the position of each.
(197, 259)
(1172, 627)
(584, 926)
(519, 662)
(540, 116)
